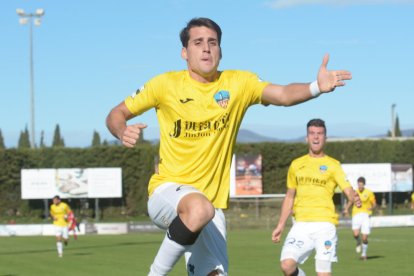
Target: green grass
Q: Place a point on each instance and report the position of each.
(251, 253)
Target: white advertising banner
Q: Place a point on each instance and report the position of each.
(381, 177)
(377, 176)
(71, 183)
(101, 182)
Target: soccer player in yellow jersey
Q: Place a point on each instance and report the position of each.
(199, 111)
(311, 184)
(361, 217)
(59, 212)
(412, 201)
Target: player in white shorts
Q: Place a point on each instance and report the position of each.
(361, 217)
(59, 212)
(311, 183)
(209, 251)
(304, 237)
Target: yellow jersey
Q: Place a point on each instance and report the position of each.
(60, 212)
(315, 180)
(367, 202)
(198, 127)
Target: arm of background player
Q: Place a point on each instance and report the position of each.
(285, 212)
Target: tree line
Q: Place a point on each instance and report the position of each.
(138, 164)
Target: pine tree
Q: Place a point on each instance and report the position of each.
(2, 146)
(57, 139)
(24, 139)
(96, 140)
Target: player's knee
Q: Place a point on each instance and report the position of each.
(196, 211)
(288, 266)
(178, 232)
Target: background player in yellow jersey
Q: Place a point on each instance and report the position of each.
(311, 184)
(412, 201)
(59, 212)
(199, 111)
(361, 217)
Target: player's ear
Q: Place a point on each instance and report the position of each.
(184, 53)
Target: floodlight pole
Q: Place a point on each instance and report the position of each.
(29, 18)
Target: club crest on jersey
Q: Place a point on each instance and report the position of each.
(323, 168)
(222, 98)
(137, 91)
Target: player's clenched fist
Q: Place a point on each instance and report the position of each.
(131, 134)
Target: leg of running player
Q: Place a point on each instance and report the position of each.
(194, 212)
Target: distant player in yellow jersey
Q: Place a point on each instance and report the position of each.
(59, 212)
(311, 184)
(412, 201)
(361, 217)
(199, 112)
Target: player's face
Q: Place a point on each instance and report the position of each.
(360, 186)
(202, 54)
(316, 139)
(56, 201)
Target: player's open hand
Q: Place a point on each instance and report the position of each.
(277, 234)
(329, 80)
(131, 134)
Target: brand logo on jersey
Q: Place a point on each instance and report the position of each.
(323, 168)
(222, 98)
(137, 91)
(186, 100)
(190, 129)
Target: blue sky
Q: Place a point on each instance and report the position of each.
(89, 55)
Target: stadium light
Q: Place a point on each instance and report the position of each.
(393, 120)
(31, 18)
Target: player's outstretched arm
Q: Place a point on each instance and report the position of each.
(285, 212)
(116, 123)
(295, 93)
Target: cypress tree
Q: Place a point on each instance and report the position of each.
(24, 139)
(57, 138)
(2, 146)
(96, 140)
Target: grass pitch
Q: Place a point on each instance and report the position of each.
(251, 253)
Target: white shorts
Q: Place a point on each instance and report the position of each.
(361, 221)
(304, 237)
(209, 252)
(61, 231)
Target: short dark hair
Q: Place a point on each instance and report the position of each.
(361, 179)
(316, 123)
(199, 22)
(56, 197)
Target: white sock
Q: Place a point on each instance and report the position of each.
(168, 254)
(364, 249)
(301, 272)
(59, 247)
